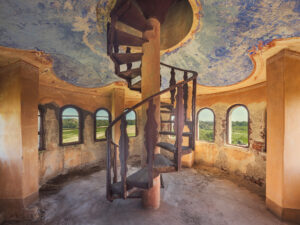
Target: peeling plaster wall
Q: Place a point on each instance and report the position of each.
(56, 159)
(251, 161)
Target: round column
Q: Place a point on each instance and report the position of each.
(150, 86)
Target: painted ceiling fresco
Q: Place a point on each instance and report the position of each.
(230, 31)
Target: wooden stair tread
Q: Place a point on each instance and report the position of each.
(139, 179)
(130, 15)
(167, 121)
(123, 38)
(136, 194)
(116, 188)
(130, 74)
(137, 86)
(171, 148)
(165, 111)
(124, 58)
(116, 191)
(166, 106)
(162, 164)
(173, 133)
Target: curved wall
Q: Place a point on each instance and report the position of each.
(247, 161)
(56, 159)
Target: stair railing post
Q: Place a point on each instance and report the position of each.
(108, 166)
(123, 155)
(115, 179)
(172, 82)
(194, 111)
(185, 94)
(179, 124)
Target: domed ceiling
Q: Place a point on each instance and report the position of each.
(227, 33)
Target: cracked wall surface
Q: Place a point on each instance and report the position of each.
(250, 161)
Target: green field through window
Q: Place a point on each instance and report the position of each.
(239, 133)
(102, 122)
(70, 126)
(131, 124)
(206, 125)
(238, 120)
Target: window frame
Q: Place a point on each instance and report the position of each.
(80, 135)
(197, 126)
(41, 131)
(136, 129)
(95, 123)
(227, 125)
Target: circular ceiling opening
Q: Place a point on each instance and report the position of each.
(177, 24)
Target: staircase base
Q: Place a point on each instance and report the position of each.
(151, 197)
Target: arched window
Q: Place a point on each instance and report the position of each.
(41, 129)
(238, 125)
(70, 126)
(206, 125)
(102, 120)
(131, 124)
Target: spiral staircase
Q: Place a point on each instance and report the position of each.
(177, 114)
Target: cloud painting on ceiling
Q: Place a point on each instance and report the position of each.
(219, 51)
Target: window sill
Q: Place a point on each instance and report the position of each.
(100, 140)
(240, 147)
(70, 144)
(206, 142)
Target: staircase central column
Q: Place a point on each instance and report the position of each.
(150, 86)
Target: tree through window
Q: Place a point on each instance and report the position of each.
(131, 124)
(206, 125)
(102, 120)
(238, 125)
(70, 126)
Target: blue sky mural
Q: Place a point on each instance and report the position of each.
(69, 32)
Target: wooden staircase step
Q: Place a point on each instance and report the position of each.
(124, 58)
(123, 38)
(171, 148)
(136, 194)
(173, 133)
(166, 104)
(170, 107)
(132, 16)
(137, 86)
(165, 111)
(162, 164)
(116, 189)
(167, 121)
(140, 178)
(130, 74)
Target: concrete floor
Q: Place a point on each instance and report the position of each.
(201, 196)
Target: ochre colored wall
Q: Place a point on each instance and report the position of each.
(292, 132)
(56, 159)
(283, 167)
(10, 133)
(18, 138)
(247, 161)
(29, 111)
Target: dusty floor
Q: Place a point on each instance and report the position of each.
(199, 196)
